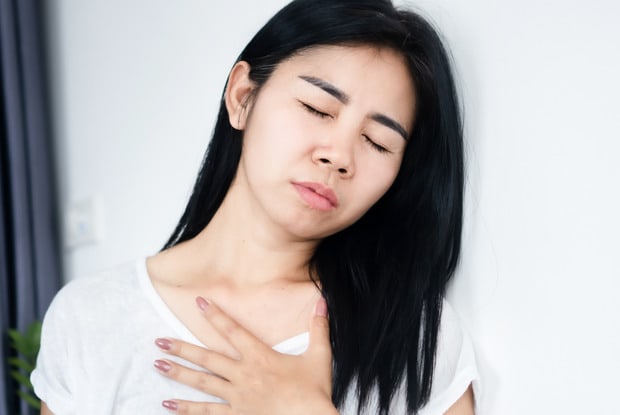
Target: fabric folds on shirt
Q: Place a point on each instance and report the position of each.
(97, 351)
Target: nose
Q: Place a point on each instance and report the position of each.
(338, 158)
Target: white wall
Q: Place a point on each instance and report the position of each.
(136, 88)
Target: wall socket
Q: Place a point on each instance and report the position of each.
(84, 222)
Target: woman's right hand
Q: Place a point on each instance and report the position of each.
(261, 381)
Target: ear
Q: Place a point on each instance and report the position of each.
(238, 93)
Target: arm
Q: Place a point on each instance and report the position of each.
(465, 404)
(45, 410)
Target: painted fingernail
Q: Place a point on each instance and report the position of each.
(202, 303)
(171, 405)
(162, 365)
(163, 344)
(321, 308)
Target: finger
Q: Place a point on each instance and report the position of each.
(320, 344)
(196, 379)
(196, 408)
(205, 358)
(238, 336)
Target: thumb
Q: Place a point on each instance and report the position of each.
(319, 332)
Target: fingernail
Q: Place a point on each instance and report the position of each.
(162, 365)
(321, 308)
(163, 344)
(171, 405)
(202, 303)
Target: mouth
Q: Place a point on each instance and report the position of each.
(317, 195)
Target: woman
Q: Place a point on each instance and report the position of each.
(332, 187)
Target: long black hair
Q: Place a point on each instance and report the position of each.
(385, 276)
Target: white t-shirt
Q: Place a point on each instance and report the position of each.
(97, 351)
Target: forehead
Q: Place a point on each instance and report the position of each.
(351, 60)
(375, 77)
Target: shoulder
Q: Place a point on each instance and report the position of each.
(75, 336)
(116, 279)
(455, 363)
(452, 336)
(89, 293)
(455, 370)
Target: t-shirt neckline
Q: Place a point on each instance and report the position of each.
(181, 329)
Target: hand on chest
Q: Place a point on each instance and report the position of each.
(273, 314)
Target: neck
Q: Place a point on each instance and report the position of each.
(243, 249)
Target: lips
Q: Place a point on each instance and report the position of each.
(317, 195)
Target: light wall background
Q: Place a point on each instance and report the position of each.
(136, 85)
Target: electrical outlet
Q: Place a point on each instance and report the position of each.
(84, 222)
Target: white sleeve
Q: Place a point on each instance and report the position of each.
(455, 365)
(52, 376)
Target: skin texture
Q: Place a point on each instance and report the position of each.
(251, 261)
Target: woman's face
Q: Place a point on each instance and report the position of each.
(324, 137)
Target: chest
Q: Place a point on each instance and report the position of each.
(272, 315)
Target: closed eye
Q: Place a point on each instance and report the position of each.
(314, 111)
(376, 146)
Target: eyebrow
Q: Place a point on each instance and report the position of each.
(344, 98)
(327, 87)
(390, 123)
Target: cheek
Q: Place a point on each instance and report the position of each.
(376, 181)
(275, 133)
(383, 184)
(384, 173)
